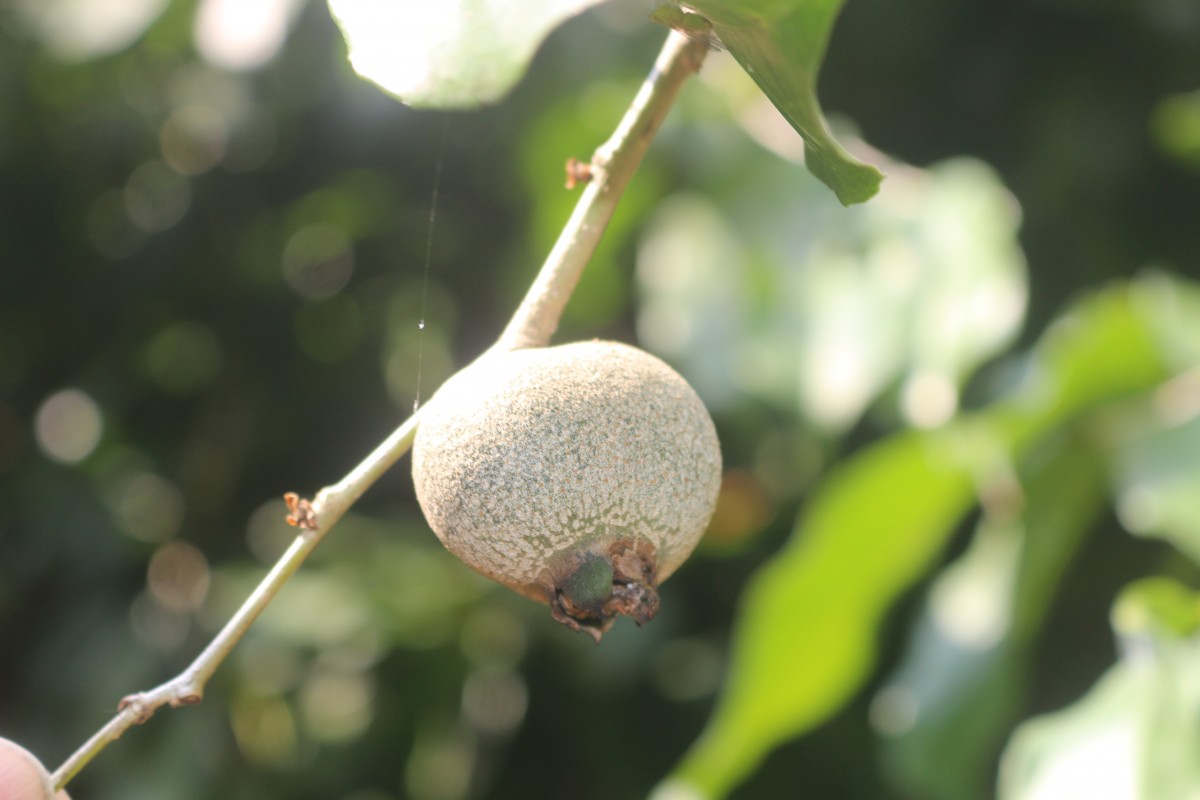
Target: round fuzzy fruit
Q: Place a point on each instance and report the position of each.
(580, 475)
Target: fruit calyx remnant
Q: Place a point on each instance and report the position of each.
(598, 586)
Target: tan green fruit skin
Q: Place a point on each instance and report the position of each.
(528, 460)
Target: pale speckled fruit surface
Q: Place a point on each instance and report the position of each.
(529, 458)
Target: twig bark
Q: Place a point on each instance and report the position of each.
(532, 325)
(611, 167)
(314, 520)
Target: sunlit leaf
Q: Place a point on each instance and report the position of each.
(86, 29)
(806, 635)
(963, 679)
(1156, 465)
(243, 35)
(781, 44)
(1157, 472)
(1105, 347)
(805, 639)
(1136, 734)
(448, 55)
(1172, 307)
(799, 303)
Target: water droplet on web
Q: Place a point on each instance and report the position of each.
(421, 325)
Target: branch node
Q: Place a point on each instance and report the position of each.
(139, 707)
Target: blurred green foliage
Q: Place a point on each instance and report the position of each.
(1135, 733)
(214, 289)
(805, 638)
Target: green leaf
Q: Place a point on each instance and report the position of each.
(1157, 445)
(1155, 610)
(805, 638)
(683, 21)
(1157, 472)
(1104, 348)
(1136, 734)
(945, 711)
(448, 55)
(781, 44)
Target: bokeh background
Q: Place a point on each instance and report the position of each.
(219, 282)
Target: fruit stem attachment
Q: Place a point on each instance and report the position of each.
(611, 168)
(532, 325)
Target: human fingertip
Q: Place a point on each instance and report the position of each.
(22, 776)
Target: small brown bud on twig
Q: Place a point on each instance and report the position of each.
(300, 512)
(578, 172)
